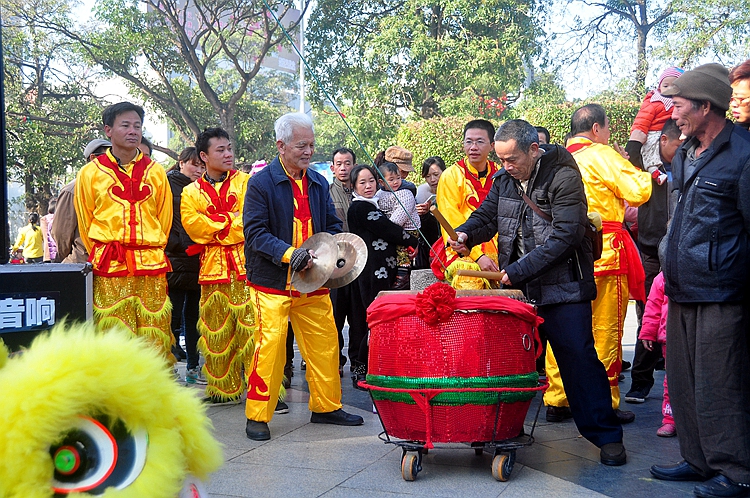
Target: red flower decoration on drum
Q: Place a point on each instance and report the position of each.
(436, 304)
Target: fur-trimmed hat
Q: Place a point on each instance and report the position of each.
(402, 157)
(707, 82)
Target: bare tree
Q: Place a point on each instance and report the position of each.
(194, 60)
(600, 26)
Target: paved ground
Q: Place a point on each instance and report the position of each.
(311, 460)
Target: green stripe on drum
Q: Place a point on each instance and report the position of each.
(451, 384)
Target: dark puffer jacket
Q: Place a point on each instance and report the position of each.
(558, 264)
(184, 274)
(708, 243)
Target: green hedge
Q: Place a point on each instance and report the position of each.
(556, 118)
(442, 136)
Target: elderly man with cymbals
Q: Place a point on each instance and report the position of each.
(285, 204)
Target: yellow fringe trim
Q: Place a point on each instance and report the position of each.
(230, 344)
(136, 303)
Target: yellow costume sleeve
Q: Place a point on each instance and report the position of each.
(287, 257)
(625, 180)
(452, 192)
(198, 226)
(163, 195)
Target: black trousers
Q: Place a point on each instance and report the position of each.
(568, 330)
(185, 305)
(347, 306)
(644, 361)
(708, 367)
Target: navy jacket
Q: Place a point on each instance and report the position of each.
(708, 243)
(268, 220)
(558, 265)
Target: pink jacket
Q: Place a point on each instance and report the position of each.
(654, 323)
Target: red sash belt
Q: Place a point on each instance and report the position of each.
(123, 254)
(630, 260)
(194, 249)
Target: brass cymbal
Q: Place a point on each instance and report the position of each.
(323, 244)
(352, 256)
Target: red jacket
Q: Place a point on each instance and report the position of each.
(651, 116)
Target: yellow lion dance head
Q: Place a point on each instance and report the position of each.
(86, 413)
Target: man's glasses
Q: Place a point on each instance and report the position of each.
(738, 101)
(478, 143)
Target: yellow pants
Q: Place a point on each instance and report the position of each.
(139, 304)
(317, 338)
(227, 324)
(609, 310)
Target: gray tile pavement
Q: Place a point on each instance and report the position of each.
(314, 460)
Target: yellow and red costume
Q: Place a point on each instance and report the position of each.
(311, 315)
(212, 218)
(460, 191)
(124, 216)
(609, 181)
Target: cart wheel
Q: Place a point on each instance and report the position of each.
(409, 468)
(502, 466)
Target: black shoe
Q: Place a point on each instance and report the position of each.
(336, 417)
(626, 365)
(303, 365)
(179, 353)
(613, 454)
(257, 431)
(359, 373)
(624, 417)
(680, 472)
(558, 413)
(722, 487)
(637, 395)
(281, 407)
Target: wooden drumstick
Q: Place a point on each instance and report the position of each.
(489, 275)
(443, 222)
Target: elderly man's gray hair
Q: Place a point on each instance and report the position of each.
(286, 124)
(519, 130)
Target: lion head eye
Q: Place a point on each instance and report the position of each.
(96, 454)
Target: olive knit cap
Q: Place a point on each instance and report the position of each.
(707, 82)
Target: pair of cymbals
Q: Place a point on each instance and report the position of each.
(339, 259)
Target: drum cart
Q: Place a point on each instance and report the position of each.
(468, 378)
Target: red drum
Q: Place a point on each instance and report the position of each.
(445, 369)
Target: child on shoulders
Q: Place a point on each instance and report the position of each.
(656, 109)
